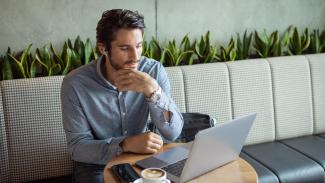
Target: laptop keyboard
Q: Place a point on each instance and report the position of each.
(175, 168)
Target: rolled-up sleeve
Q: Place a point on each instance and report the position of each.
(172, 128)
(82, 145)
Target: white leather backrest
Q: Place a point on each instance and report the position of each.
(251, 91)
(292, 96)
(36, 139)
(175, 77)
(207, 90)
(4, 159)
(317, 68)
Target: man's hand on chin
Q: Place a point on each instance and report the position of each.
(137, 81)
(145, 143)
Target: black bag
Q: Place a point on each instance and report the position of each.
(193, 123)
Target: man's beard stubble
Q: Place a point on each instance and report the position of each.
(117, 66)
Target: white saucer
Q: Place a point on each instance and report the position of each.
(139, 180)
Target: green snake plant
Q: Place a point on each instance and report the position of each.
(322, 40)
(204, 50)
(267, 46)
(298, 44)
(154, 50)
(83, 51)
(316, 43)
(243, 45)
(50, 66)
(177, 55)
(228, 53)
(26, 63)
(6, 66)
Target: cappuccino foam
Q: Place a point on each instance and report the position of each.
(153, 173)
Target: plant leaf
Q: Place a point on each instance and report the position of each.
(33, 67)
(182, 56)
(87, 51)
(21, 68)
(55, 69)
(296, 42)
(67, 61)
(6, 68)
(42, 63)
(306, 40)
(56, 58)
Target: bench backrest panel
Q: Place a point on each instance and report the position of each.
(251, 91)
(36, 140)
(176, 80)
(4, 159)
(207, 90)
(292, 96)
(317, 68)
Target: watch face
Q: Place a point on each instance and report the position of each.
(157, 96)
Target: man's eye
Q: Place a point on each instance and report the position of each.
(124, 48)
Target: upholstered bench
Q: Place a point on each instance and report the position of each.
(288, 94)
(285, 144)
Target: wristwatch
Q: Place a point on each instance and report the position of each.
(155, 96)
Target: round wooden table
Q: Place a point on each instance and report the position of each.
(233, 172)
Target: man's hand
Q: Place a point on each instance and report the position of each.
(134, 80)
(144, 143)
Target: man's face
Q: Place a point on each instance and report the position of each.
(126, 49)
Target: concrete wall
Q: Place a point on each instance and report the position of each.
(43, 21)
(225, 18)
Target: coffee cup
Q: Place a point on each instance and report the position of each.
(154, 175)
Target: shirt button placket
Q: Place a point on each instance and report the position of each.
(122, 112)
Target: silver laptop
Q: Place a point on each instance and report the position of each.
(211, 148)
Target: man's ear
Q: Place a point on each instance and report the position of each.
(101, 48)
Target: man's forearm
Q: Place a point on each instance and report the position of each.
(166, 116)
(94, 151)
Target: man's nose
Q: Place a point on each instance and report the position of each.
(134, 54)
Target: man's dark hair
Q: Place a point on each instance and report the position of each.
(114, 20)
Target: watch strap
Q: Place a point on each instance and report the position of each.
(155, 95)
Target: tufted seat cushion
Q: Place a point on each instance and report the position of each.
(264, 175)
(311, 146)
(288, 164)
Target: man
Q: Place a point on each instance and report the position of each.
(106, 103)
